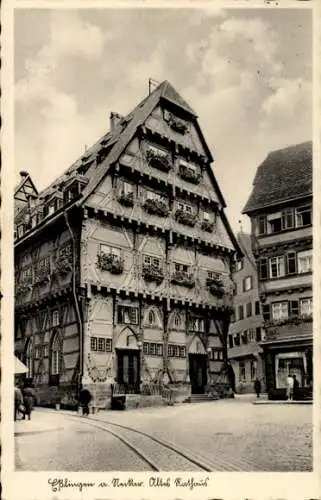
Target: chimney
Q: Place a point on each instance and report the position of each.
(115, 119)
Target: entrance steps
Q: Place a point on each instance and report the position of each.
(201, 398)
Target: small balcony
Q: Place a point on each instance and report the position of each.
(183, 278)
(215, 286)
(189, 174)
(186, 218)
(162, 162)
(207, 226)
(126, 199)
(156, 207)
(111, 263)
(153, 274)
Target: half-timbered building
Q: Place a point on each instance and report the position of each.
(123, 264)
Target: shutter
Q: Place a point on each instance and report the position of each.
(291, 263)
(283, 220)
(263, 268)
(266, 312)
(294, 308)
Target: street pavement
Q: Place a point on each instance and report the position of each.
(231, 434)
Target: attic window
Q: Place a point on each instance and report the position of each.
(274, 222)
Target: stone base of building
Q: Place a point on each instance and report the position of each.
(65, 395)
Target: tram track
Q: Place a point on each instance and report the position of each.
(163, 455)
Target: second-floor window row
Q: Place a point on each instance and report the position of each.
(285, 265)
(290, 218)
(282, 311)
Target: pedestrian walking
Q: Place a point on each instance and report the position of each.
(29, 398)
(289, 387)
(84, 399)
(18, 402)
(257, 387)
(296, 386)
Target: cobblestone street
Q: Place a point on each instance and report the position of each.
(228, 435)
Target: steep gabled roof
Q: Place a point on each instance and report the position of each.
(169, 93)
(284, 175)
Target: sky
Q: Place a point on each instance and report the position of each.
(246, 72)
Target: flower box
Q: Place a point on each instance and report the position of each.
(215, 286)
(189, 174)
(177, 124)
(152, 273)
(207, 225)
(185, 218)
(156, 207)
(159, 161)
(126, 199)
(111, 263)
(183, 279)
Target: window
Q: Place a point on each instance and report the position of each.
(26, 273)
(100, 344)
(45, 351)
(303, 216)
(247, 283)
(217, 354)
(34, 221)
(232, 317)
(277, 267)
(181, 268)
(253, 370)
(20, 230)
(146, 348)
(274, 223)
(258, 334)
(305, 261)
(241, 312)
(108, 250)
(280, 311)
(55, 317)
(151, 319)
(178, 320)
(239, 265)
(182, 352)
(261, 224)
(185, 207)
(127, 188)
(242, 372)
(230, 341)
(257, 307)
(44, 265)
(214, 275)
(157, 151)
(291, 262)
(56, 353)
(151, 261)
(153, 349)
(159, 349)
(287, 218)
(237, 339)
(196, 325)
(263, 269)
(306, 307)
(151, 195)
(249, 309)
(29, 358)
(244, 337)
(51, 208)
(251, 335)
(128, 315)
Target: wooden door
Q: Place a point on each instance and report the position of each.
(128, 369)
(198, 372)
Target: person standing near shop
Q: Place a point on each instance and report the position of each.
(289, 387)
(84, 399)
(257, 387)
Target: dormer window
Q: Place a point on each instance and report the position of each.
(20, 230)
(303, 216)
(34, 221)
(74, 187)
(274, 222)
(51, 208)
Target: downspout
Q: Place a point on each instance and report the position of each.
(76, 304)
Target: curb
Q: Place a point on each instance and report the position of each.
(308, 402)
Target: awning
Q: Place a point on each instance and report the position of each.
(19, 366)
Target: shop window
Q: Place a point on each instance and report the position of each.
(277, 269)
(305, 261)
(303, 216)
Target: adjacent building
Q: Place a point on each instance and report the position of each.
(123, 264)
(280, 208)
(246, 327)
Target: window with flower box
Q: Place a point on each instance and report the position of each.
(184, 214)
(43, 270)
(126, 193)
(182, 275)
(110, 259)
(152, 269)
(156, 204)
(128, 315)
(175, 123)
(207, 221)
(189, 172)
(158, 158)
(215, 284)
